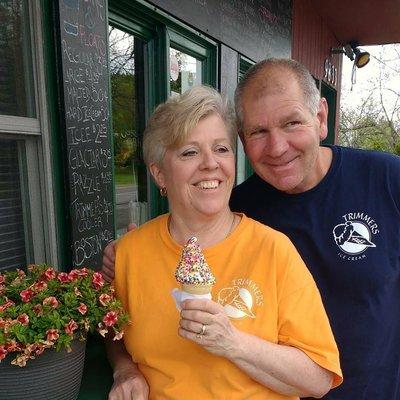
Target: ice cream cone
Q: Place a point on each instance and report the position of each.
(197, 289)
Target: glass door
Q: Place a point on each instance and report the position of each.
(127, 86)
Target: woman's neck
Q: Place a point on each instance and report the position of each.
(209, 231)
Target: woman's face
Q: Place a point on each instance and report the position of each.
(199, 175)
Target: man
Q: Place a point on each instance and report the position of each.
(341, 209)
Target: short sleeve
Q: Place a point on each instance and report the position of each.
(302, 320)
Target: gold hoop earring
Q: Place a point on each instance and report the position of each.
(163, 192)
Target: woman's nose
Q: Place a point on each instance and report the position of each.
(209, 160)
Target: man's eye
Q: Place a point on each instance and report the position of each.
(293, 123)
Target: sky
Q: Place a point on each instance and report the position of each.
(351, 96)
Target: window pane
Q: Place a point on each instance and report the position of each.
(185, 71)
(127, 80)
(12, 235)
(16, 83)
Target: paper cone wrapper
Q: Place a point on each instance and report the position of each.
(197, 289)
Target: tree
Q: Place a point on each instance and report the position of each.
(374, 123)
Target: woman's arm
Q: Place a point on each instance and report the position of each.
(283, 369)
(129, 382)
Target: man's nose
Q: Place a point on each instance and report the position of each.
(276, 143)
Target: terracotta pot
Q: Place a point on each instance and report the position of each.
(51, 376)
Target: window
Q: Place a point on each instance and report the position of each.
(23, 144)
(243, 167)
(152, 57)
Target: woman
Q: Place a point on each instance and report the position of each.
(265, 334)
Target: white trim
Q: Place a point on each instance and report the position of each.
(44, 147)
(19, 125)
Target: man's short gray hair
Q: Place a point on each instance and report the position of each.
(304, 78)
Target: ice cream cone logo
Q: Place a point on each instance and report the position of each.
(237, 302)
(352, 237)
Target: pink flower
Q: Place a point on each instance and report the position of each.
(38, 309)
(26, 295)
(31, 267)
(82, 308)
(52, 335)
(2, 323)
(63, 277)
(98, 280)
(7, 304)
(3, 352)
(20, 360)
(110, 318)
(23, 319)
(83, 271)
(49, 274)
(40, 286)
(118, 335)
(77, 292)
(2, 278)
(73, 275)
(102, 330)
(104, 299)
(71, 327)
(13, 346)
(50, 301)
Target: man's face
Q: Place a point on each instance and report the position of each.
(280, 135)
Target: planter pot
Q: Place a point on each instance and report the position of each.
(51, 376)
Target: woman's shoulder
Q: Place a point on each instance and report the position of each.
(143, 234)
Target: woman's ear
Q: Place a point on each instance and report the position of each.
(157, 175)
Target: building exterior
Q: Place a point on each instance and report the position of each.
(78, 79)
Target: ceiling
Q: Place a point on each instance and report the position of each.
(368, 22)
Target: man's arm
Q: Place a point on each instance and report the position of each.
(108, 268)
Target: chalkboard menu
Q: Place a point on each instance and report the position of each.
(255, 28)
(84, 82)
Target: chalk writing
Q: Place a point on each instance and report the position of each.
(83, 38)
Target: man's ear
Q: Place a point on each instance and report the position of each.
(322, 116)
(157, 175)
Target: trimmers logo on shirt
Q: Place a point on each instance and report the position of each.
(241, 298)
(355, 235)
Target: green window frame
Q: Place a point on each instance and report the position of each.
(243, 166)
(159, 30)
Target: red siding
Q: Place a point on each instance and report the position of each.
(312, 41)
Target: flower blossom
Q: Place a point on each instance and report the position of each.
(13, 346)
(63, 277)
(3, 352)
(49, 274)
(82, 308)
(23, 319)
(118, 335)
(7, 304)
(77, 292)
(52, 335)
(73, 275)
(38, 309)
(2, 278)
(50, 301)
(20, 360)
(26, 295)
(104, 299)
(98, 280)
(110, 318)
(40, 286)
(71, 327)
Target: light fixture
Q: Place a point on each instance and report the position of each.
(351, 50)
(362, 58)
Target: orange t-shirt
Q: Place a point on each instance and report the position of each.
(264, 287)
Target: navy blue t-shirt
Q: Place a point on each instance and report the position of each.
(347, 229)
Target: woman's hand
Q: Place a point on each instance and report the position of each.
(206, 323)
(129, 385)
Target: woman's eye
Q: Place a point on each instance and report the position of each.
(189, 153)
(222, 149)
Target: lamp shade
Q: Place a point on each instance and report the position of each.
(362, 58)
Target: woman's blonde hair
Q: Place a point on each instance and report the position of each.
(172, 122)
